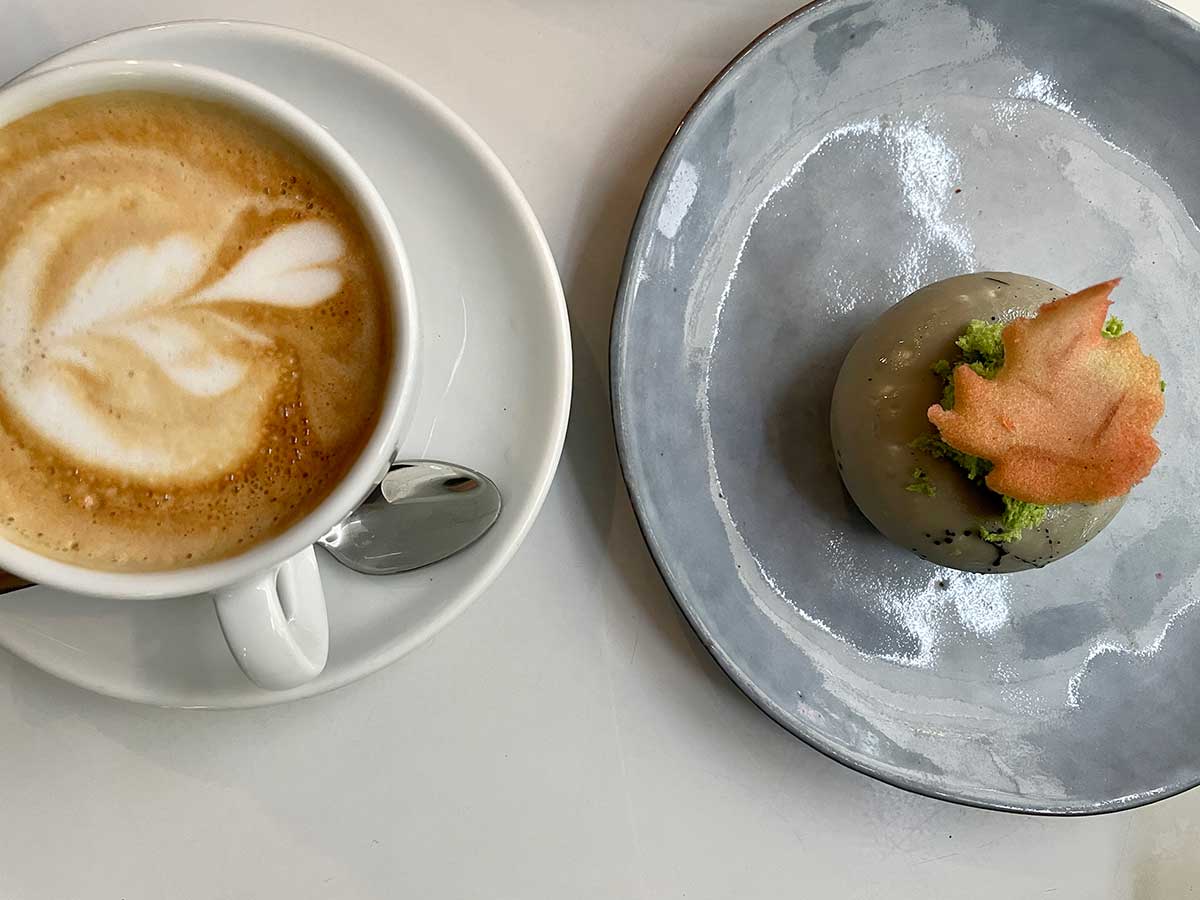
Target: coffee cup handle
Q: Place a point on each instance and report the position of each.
(276, 624)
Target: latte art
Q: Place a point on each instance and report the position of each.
(193, 327)
(146, 297)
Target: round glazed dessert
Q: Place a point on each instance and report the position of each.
(917, 490)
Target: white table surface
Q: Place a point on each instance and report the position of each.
(567, 737)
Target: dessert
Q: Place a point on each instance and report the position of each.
(989, 425)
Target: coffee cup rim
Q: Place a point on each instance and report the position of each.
(34, 92)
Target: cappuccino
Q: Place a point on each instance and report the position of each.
(195, 332)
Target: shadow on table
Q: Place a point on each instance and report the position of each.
(590, 451)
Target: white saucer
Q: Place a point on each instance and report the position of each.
(495, 396)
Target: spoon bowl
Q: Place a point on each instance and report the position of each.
(422, 512)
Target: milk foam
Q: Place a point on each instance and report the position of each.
(131, 296)
(194, 328)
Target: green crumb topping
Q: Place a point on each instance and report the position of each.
(942, 369)
(974, 467)
(982, 349)
(1114, 327)
(1162, 385)
(921, 484)
(1018, 515)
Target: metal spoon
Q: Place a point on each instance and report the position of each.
(422, 512)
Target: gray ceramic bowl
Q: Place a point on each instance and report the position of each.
(852, 154)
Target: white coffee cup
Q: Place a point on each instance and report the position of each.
(269, 599)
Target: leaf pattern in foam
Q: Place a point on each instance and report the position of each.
(72, 354)
(144, 297)
(289, 268)
(237, 329)
(128, 282)
(185, 357)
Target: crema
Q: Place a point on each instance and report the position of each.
(194, 329)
